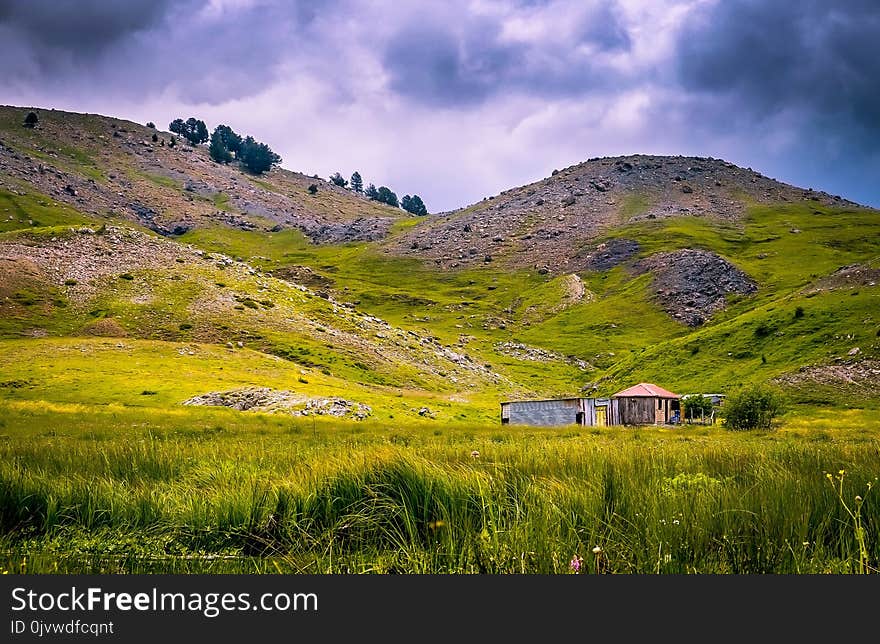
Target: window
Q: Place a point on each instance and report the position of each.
(659, 404)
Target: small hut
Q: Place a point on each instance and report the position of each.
(646, 404)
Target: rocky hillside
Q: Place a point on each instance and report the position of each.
(689, 272)
(110, 168)
(552, 224)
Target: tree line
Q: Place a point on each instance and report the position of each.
(383, 194)
(226, 145)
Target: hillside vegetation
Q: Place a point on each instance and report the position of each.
(326, 370)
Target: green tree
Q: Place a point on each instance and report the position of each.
(31, 120)
(357, 183)
(151, 125)
(413, 205)
(338, 179)
(372, 193)
(218, 150)
(230, 139)
(257, 157)
(196, 131)
(752, 408)
(696, 406)
(177, 126)
(387, 196)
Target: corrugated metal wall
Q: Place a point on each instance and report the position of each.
(544, 412)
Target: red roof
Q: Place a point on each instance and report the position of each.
(645, 390)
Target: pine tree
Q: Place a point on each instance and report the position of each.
(413, 205)
(218, 150)
(338, 180)
(257, 157)
(387, 196)
(372, 193)
(357, 183)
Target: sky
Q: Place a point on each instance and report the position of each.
(457, 100)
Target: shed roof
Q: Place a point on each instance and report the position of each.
(645, 390)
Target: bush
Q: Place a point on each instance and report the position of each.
(151, 125)
(31, 120)
(752, 408)
(696, 406)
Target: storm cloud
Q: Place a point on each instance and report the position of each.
(462, 99)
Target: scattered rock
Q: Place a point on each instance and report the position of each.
(691, 285)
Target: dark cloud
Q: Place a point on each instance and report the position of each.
(80, 27)
(462, 63)
(140, 48)
(818, 57)
(435, 65)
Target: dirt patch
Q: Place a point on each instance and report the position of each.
(851, 276)
(863, 376)
(692, 285)
(105, 328)
(17, 272)
(302, 275)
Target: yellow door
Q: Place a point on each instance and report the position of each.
(601, 416)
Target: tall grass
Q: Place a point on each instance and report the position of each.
(256, 497)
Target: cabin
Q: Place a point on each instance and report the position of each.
(647, 404)
(643, 404)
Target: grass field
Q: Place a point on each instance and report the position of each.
(111, 488)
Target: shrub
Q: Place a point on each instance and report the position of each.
(313, 189)
(70, 282)
(799, 312)
(763, 330)
(151, 125)
(31, 120)
(126, 276)
(752, 408)
(696, 406)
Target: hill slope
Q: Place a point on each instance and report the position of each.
(690, 272)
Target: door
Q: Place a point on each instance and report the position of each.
(601, 416)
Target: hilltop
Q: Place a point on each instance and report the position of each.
(690, 272)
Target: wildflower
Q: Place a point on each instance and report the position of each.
(676, 521)
(858, 499)
(575, 563)
(597, 550)
(475, 454)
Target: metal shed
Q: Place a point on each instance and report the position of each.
(561, 411)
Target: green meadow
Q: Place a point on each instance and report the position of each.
(119, 489)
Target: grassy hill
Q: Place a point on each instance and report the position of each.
(107, 233)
